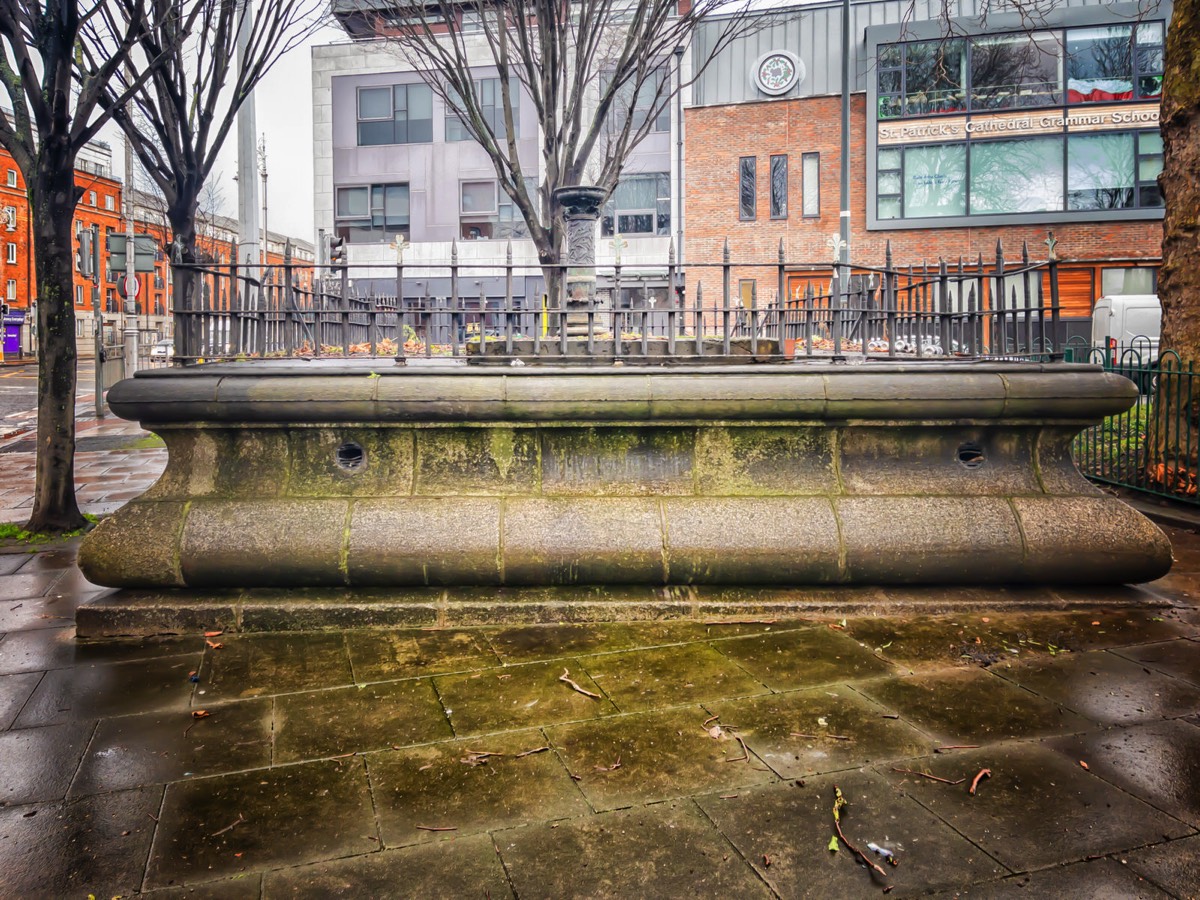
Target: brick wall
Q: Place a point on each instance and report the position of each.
(717, 136)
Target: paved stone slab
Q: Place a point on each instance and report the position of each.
(645, 757)
(669, 676)
(1105, 688)
(518, 697)
(521, 643)
(10, 562)
(798, 659)
(457, 785)
(58, 648)
(1178, 658)
(968, 638)
(668, 850)
(239, 887)
(1037, 808)
(95, 846)
(256, 665)
(791, 826)
(1101, 879)
(37, 764)
(33, 584)
(41, 612)
(773, 726)
(1174, 865)
(467, 867)
(289, 815)
(159, 747)
(1158, 763)
(315, 724)
(380, 655)
(114, 689)
(971, 706)
(14, 691)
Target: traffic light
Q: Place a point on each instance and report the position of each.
(337, 252)
(83, 254)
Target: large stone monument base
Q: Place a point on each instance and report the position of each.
(338, 477)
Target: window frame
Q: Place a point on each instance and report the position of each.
(345, 223)
(660, 213)
(360, 120)
(11, 178)
(11, 253)
(804, 191)
(778, 204)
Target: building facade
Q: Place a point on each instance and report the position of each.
(965, 134)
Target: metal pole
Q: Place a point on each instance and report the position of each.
(98, 319)
(247, 131)
(678, 154)
(844, 248)
(131, 324)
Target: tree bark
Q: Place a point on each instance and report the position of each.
(52, 200)
(1171, 462)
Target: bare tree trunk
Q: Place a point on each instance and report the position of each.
(1171, 462)
(184, 283)
(52, 201)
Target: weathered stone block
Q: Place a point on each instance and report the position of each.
(969, 540)
(1056, 467)
(595, 462)
(948, 392)
(251, 462)
(769, 540)
(425, 541)
(416, 396)
(264, 543)
(585, 395)
(386, 469)
(192, 460)
(954, 461)
(1120, 545)
(758, 461)
(738, 395)
(138, 546)
(583, 540)
(466, 460)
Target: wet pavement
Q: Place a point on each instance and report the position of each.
(667, 759)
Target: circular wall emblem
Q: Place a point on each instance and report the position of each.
(777, 72)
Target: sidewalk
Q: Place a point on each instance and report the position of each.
(653, 759)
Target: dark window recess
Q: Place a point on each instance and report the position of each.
(747, 188)
(779, 187)
(640, 204)
(374, 213)
(490, 95)
(350, 456)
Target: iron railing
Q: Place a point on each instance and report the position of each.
(1153, 446)
(486, 312)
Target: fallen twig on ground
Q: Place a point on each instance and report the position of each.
(436, 828)
(530, 752)
(611, 768)
(566, 678)
(930, 777)
(832, 737)
(742, 622)
(983, 773)
(955, 747)
(238, 821)
(839, 803)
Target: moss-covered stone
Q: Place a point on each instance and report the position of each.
(765, 461)
(386, 469)
(637, 461)
(470, 460)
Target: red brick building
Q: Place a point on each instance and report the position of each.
(931, 136)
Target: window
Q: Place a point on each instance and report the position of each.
(1100, 171)
(10, 218)
(1129, 280)
(91, 198)
(12, 253)
(372, 213)
(651, 98)
(1149, 167)
(810, 175)
(1099, 64)
(396, 114)
(640, 204)
(1016, 70)
(471, 22)
(935, 180)
(11, 289)
(1149, 59)
(1015, 176)
(490, 95)
(747, 188)
(11, 176)
(478, 208)
(110, 202)
(934, 77)
(779, 187)
(79, 295)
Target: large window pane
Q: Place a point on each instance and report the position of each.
(640, 204)
(352, 201)
(373, 133)
(810, 174)
(1100, 171)
(375, 103)
(1016, 70)
(935, 181)
(478, 196)
(1099, 64)
(935, 74)
(1017, 176)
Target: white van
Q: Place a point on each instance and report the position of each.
(1128, 322)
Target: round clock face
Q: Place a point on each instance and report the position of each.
(778, 72)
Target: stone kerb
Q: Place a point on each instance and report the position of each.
(804, 475)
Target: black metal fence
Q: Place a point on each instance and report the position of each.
(1153, 446)
(815, 310)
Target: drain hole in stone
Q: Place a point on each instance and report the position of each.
(971, 456)
(350, 456)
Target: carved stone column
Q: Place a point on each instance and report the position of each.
(581, 209)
